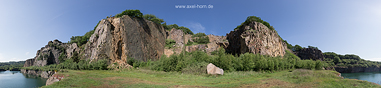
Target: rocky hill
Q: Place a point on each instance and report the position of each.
(117, 39)
(50, 54)
(255, 37)
(121, 38)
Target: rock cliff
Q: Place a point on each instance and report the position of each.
(50, 53)
(117, 39)
(29, 62)
(310, 53)
(256, 38)
(357, 69)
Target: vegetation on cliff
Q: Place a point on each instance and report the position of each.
(255, 19)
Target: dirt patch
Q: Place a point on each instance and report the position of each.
(269, 83)
(117, 81)
(188, 86)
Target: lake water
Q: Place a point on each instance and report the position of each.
(16, 79)
(374, 77)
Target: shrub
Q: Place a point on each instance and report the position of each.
(184, 29)
(131, 13)
(169, 43)
(153, 18)
(202, 40)
(81, 40)
(199, 35)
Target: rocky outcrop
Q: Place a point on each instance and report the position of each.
(2, 69)
(43, 74)
(191, 48)
(117, 39)
(214, 70)
(310, 53)
(256, 38)
(357, 69)
(215, 42)
(54, 78)
(29, 62)
(179, 37)
(50, 53)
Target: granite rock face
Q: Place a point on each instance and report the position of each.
(310, 53)
(255, 38)
(117, 39)
(179, 37)
(50, 53)
(29, 62)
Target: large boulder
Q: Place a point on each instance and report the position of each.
(310, 53)
(256, 38)
(117, 39)
(214, 70)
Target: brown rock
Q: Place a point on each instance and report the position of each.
(255, 38)
(214, 70)
(310, 53)
(29, 62)
(117, 39)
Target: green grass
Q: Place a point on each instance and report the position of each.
(158, 79)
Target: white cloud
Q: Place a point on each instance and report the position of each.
(196, 27)
(26, 53)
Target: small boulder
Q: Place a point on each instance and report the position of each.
(214, 70)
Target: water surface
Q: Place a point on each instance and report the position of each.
(374, 77)
(16, 79)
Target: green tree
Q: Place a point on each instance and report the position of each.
(153, 18)
(131, 13)
(336, 60)
(297, 48)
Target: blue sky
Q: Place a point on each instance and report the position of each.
(341, 26)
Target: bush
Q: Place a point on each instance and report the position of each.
(189, 62)
(131, 13)
(153, 18)
(199, 35)
(184, 29)
(81, 40)
(255, 19)
(169, 43)
(201, 40)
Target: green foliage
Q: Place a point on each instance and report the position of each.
(11, 65)
(184, 29)
(62, 57)
(297, 48)
(187, 62)
(153, 18)
(70, 64)
(75, 57)
(97, 25)
(189, 43)
(201, 40)
(81, 40)
(131, 13)
(348, 60)
(336, 60)
(199, 35)
(169, 43)
(255, 19)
